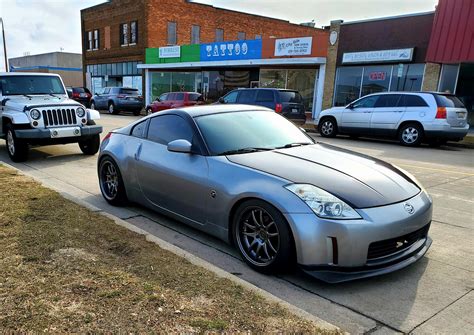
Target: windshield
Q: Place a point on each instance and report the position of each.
(228, 132)
(30, 85)
(129, 91)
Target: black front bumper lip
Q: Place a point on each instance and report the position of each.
(335, 274)
(44, 133)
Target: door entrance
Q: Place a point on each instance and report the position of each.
(465, 89)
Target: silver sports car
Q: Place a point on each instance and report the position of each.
(250, 177)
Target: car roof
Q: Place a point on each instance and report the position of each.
(15, 74)
(196, 111)
(265, 88)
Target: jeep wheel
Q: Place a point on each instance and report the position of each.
(16, 148)
(111, 109)
(90, 146)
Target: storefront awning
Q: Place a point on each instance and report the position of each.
(238, 63)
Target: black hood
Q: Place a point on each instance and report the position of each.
(357, 179)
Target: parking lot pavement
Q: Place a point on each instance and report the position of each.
(433, 295)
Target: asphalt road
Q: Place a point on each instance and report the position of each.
(435, 295)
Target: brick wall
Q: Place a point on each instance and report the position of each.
(209, 18)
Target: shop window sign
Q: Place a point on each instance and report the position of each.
(377, 75)
(235, 50)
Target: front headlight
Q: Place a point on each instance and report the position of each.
(80, 112)
(323, 204)
(35, 114)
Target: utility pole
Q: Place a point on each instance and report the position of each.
(4, 46)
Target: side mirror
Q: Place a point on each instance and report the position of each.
(180, 146)
(221, 100)
(157, 100)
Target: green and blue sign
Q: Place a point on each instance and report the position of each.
(232, 50)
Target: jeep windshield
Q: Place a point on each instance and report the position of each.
(30, 85)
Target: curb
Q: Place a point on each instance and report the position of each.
(324, 325)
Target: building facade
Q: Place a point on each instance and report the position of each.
(67, 65)
(116, 34)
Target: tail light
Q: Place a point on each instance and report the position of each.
(121, 96)
(278, 108)
(75, 95)
(441, 113)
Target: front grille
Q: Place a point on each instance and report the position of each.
(59, 117)
(394, 245)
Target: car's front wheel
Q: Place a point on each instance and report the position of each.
(262, 237)
(16, 148)
(328, 127)
(90, 146)
(111, 182)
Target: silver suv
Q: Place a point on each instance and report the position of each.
(36, 110)
(412, 117)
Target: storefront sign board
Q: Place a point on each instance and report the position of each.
(300, 46)
(394, 55)
(169, 52)
(234, 50)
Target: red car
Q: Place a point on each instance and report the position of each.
(174, 100)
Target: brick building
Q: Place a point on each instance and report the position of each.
(116, 34)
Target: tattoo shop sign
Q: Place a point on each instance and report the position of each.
(233, 50)
(300, 46)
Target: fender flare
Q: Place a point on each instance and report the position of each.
(92, 114)
(16, 117)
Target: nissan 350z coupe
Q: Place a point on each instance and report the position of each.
(250, 177)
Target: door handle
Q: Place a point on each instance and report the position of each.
(137, 153)
(368, 112)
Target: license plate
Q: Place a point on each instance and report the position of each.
(294, 111)
(65, 132)
(461, 115)
(83, 95)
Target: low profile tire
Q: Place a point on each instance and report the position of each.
(112, 109)
(92, 105)
(410, 135)
(263, 237)
(328, 127)
(90, 146)
(137, 112)
(111, 182)
(16, 148)
(149, 111)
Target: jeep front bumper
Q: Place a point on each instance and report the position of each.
(59, 132)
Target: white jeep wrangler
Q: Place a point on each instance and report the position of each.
(36, 110)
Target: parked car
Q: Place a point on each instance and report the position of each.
(174, 100)
(252, 178)
(288, 103)
(80, 94)
(116, 99)
(412, 117)
(35, 110)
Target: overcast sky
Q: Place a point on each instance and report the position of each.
(40, 26)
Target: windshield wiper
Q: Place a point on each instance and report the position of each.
(51, 94)
(26, 95)
(294, 144)
(243, 151)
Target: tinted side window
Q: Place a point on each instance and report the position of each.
(179, 96)
(412, 101)
(163, 97)
(139, 129)
(387, 100)
(194, 97)
(128, 91)
(106, 90)
(265, 96)
(231, 97)
(246, 96)
(171, 96)
(368, 102)
(167, 128)
(448, 101)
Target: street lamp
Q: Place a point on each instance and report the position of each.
(4, 45)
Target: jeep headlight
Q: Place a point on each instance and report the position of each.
(35, 114)
(324, 204)
(80, 112)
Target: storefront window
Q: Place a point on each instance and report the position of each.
(449, 74)
(160, 82)
(407, 77)
(303, 81)
(348, 82)
(376, 79)
(183, 81)
(273, 78)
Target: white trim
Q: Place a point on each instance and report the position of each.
(391, 76)
(423, 77)
(318, 92)
(457, 79)
(254, 62)
(147, 88)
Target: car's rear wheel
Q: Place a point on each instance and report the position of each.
(90, 146)
(137, 112)
(328, 127)
(262, 236)
(16, 148)
(111, 182)
(410, 134)
(112, 109)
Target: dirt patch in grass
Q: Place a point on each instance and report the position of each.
(66, 269)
